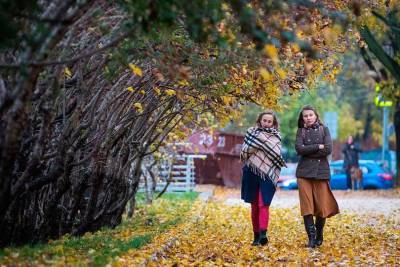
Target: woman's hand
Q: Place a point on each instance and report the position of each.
(321, 146)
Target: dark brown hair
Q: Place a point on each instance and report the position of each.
(270, 112)
(300, 121)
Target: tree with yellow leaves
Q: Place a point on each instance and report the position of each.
(88, 89)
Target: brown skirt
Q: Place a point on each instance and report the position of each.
(316, 198)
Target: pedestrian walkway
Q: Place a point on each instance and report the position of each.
(206, 191)
(376, 202)
(217, 234)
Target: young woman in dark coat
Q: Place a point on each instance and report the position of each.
(313, 145)
(351, 157)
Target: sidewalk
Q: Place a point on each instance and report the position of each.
(368, 202)
(216, 234)
(206, 191)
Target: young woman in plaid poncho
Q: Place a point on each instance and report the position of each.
(261, 153)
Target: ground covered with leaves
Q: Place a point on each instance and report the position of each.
(99, 248)
(182, 231)
(220, 234)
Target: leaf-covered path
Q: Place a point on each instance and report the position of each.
(220, 234)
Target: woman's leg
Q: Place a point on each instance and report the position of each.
(310, 229)
(307, 208)
(319, 226)
(255, 222)
(263, 215)
(255, 217)
(326, 207)
(263, 218)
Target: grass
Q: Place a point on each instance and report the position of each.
(97, 249)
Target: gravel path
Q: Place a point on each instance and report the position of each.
(369, 202)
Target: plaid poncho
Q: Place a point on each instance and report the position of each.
(261, 151)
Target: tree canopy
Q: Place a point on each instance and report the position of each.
(89, 89)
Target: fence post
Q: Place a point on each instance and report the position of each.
(188, 169)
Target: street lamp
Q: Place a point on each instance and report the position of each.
(380, 102)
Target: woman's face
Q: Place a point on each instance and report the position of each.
(309, 117)
(350, 139)
(267, 121)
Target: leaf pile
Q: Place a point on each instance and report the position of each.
(219, 234)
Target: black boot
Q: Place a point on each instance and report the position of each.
(319, 226)
(310, 229)
(263, 237)
(256, 241)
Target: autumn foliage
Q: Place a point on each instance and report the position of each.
(89, 89)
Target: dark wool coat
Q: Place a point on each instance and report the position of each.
(251, 182)
(350, 152)
(313, 162)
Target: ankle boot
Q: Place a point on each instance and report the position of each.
(310, 229)
(319, 226)
(263, 237)
(256, 241)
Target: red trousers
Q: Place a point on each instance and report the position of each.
(259, 214)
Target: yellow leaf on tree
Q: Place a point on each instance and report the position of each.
(135, 69)
(266, 75)
(138, 107)
(271, 52)
(67, 72)
(226, 100)
(281, 73)
(170, 92)
(183, 83)
(130, 89)
(142, 92)
(157, 90)
(244, 69)
(295, 47)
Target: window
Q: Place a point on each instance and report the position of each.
(337, 170)
(288, 171)
(364, 169)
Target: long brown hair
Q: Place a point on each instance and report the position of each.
(300, 121)
(269, 112)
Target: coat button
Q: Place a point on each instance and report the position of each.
(319, 160)
(315, 129)
(309, 140)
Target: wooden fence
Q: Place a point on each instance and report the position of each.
(181, 172)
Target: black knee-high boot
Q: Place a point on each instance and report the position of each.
(256, 241)
(319, 226)
(263, 237)
(310, 229)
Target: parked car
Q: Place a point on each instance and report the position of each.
(374, 177)
(288, 173)
(287, 178)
